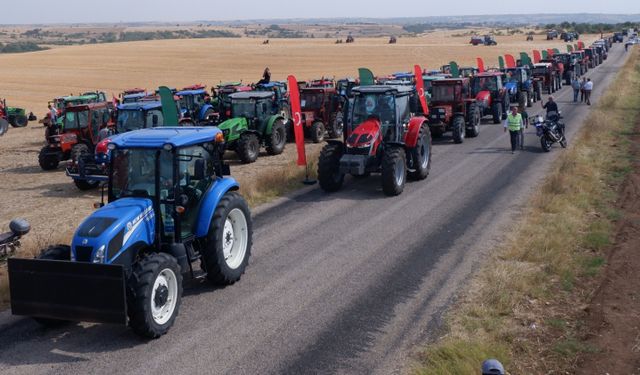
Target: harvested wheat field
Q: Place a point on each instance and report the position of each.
(52, 203)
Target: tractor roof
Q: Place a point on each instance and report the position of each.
(432, 78)
(140, 106)
(272, 84)
(135, 95)
(87, 106)
(156, 138)
(191, 92)
(489, 74)
(317, 90)
(542, 65)
(252, 95)
(450, 81)
(227, 84)
(383, 89)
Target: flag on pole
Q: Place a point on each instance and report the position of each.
(480, 63)
(420, 87)
(296, 114)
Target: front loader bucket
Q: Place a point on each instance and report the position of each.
(83, 292)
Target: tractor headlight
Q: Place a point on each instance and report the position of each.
(111, 146)
(167, 147)
(99, 255)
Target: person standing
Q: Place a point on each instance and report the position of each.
(514, 124)
(584, 81)
(588, 86)
(575, 84)
(525, 122)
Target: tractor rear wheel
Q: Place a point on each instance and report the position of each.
(56, 252)
(421, 155)
(317, 132)
(532, 98)
(523, 99)
(329, 175)
(4, 126)
(19, 121)
(154, 293)
(248, 148)
(228, 245)
(394, 171)
(278, 138)
(473, 120)
(459, 129)
(496, 111)
(336, 125)
(78, 153)
(47, 159)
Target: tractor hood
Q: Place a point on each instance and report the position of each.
(484, 97)
(233, 128)
(512, 87)
(364, 134)
(112, 229)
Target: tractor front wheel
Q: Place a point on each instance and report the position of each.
(394, 171)
(337, 124)
(248, 148)
(421, 155)
(228, 245)
(317, 132)
(48, 160)
(458, 130)
(57, 252)
(19, 121)
(154, 293)
(329, 175)
(473, 118)
(278, 138)
(496, 111)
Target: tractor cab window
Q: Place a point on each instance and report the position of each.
(76, 120)
(485, 84)
(380, 106)
(196, 172)
(243, 108)
(154, 118)
(443, 93)
(134, 173)
(540, 70)
(403, 109)
(129, 120)
(187, 102)
(96, 123)
(311, 101)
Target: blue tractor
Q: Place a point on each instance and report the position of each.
(169, 205)
(195, 106)
(520, 86)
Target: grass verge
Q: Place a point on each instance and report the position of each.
(525, 306)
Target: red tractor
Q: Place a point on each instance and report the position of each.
(381, 136)
(547, 76)
(492, 98)
(557, 67)
(453, 108)
(321, 112)
(81, 126)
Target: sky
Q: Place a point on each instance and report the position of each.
(89, 11)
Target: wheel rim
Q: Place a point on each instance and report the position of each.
(234, 238)
(319, 132)
(164, 296)
(399, 172)
(278, 136)
(424, 153)
(253, 149)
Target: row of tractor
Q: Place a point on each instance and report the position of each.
(172, 206)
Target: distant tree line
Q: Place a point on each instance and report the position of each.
(275, 31)
(18, 47)
(592, 28)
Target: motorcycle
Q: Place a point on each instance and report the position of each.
(550, 130)
(10, 241)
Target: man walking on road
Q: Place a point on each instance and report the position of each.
(588, 86)
(575, 84)
(525, 122)
(514, 124)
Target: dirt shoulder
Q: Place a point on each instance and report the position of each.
(613, 316)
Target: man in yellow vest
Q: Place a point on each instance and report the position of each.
(514, 123)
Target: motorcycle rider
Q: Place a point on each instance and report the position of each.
(550, 105)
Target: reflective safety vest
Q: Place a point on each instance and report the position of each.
(514, 122)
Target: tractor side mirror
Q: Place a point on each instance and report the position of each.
(199, 170)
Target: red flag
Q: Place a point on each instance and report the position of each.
(511, 62)
(296, 115)
(580, 45)
(550, 51)
(417, 70)
(480, 64)
(536, 56)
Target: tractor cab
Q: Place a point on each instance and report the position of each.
(139, 115)
(195, 105)
(322, 83)
(453, 108)
(255, 106)
(133, 95)
(321, 111)
(281, 92)
(224, 102)
(490, 94)
(486, 83)
(345, 85)
(468, 71)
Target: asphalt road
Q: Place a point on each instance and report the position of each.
(342, 283)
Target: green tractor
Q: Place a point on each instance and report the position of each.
(255, 121)
(13, 116)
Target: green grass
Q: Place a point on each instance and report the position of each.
(542, 272)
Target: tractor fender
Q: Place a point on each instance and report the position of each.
(484, 97)
(204, 110)
(212, 197)
(411, 138)
(270, 123)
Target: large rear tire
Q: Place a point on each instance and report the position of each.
(421, 155)
(473, 118)
(496, 112)
(154, 294)
(337, 125)
(19, 121)
(317, 132)
(48, 161)
(278, 138)
(248, 148)
(4, 126)
(394, 171)
(459, 129)
(329, 175)
(228, 245)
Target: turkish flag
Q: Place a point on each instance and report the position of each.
(420, 87)
(536, 56)
(511, 62)
(480, 63)
(294, 97)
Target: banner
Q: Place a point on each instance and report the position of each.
(510, 61)
(536, 56)
(420, 88)
(480, 63)
(501, 62)
(169, 109)
(296, 115)
(455, 71)
(366, 77)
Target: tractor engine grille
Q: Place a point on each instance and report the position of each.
(83, 253)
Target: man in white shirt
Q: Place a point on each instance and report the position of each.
(587, 91)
